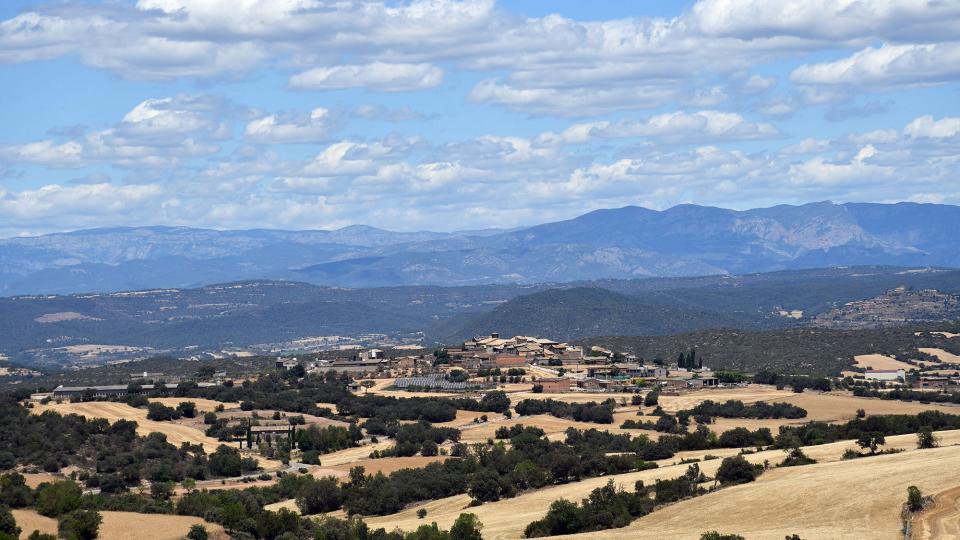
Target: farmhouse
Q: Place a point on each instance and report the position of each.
(108, 391)
(555, 385)
(884, 374)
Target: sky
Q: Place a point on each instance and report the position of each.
(450, 115)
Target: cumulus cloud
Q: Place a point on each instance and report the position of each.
(377, 75)
(156, 133)
(885, 67)
(678, 126)
(316, 126)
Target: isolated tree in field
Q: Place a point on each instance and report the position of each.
(367, 385)
(736, 470)
(80, 525)
(714, 535)
(650, 400)
(466, 527)
(421, 513)
(914, 499)
(871, 441)
(926, 438)
(197, 532)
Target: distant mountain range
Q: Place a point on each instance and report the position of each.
(57, 330)
(621, 243)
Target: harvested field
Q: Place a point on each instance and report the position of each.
(120, 525)
(836, 407)
(353, 455)
(880, 361)
(942, 520)
(35, 479)
(386, 465)
(928, 469)
(176, 433)
(466, 418)
(29, 521)
(552, 426)
(813, 501)
(749, 394)
(203, 405)
(944, 356)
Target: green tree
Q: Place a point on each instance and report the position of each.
(871, 441)
(197, 532)
(80, 525)
(736, 470)
(319, 497)
(58, 498)
(421, 513)
(37, 535)
(914, 499)
(926, 438)
(714, 535)
(485, 486)
(466, 527)
(8, 525)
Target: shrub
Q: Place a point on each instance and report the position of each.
(914, 499)
(736, 470)
(80, 525)
(319, 497)
(58, 498)
(197, 532)
(714, 535)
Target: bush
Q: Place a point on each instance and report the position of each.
(58, 498)
(926, 438)
(466, 527)
(736, 470)
(80, 525)
(915, 499)
(197, 532)
(320, 496)
(160, 412)
(714, 535)
(8, 525)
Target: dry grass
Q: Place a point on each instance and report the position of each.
(944, 356)
(879, 361)
(942, 520)
(29, 521)
(203, 405)
(799, 505)
(119, 525)
(851, 499)
(177, 432)
(124, 525)
(387, 465)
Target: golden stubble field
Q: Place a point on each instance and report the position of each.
(832, 499)
(125, 525)
(177, 432)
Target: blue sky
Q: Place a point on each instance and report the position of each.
(450, 115)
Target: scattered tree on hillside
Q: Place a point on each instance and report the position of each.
(926, 438)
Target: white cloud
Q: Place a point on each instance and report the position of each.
(316, 126)
(885, 67)
(926, 126)
(55, 201)
(68, 154)
(678, 126)
(377, 75)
